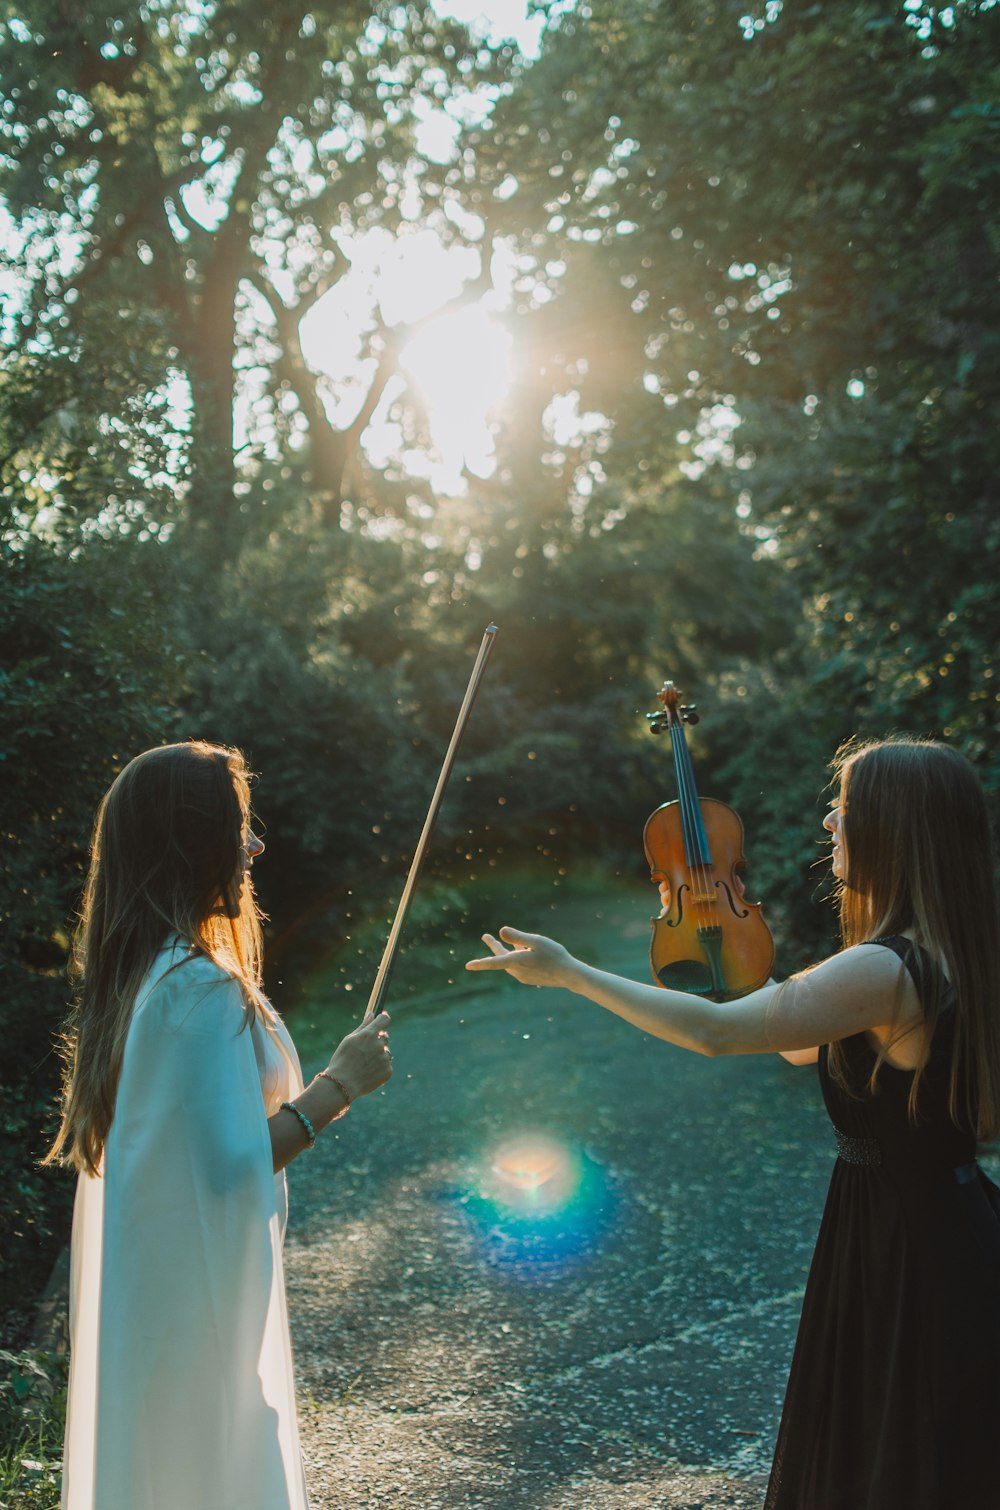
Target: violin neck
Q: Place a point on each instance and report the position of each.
(695, 838)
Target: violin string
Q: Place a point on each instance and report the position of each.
(704, 856)
(698, 870)
(690, 817)
(701, 840)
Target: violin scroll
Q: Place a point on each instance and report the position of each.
(674, 711)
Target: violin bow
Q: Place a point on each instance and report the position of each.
(377, 998)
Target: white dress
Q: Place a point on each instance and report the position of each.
(181, 1394)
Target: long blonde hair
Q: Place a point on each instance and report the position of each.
(919, 856)
(165, 860)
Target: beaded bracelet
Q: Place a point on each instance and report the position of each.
(325, 1075)
(310, 1131)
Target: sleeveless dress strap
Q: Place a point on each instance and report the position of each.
(924, 971)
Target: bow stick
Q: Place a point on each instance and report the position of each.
(377, 998)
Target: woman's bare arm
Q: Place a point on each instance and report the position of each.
(850, 993)
(361, 1063)
(800, 1056)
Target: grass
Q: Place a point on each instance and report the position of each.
(32, 1417)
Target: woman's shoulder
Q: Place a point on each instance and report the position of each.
(180, 961)
(181, 979)
(923, 968)
(861, 989)
(897, 943)
(862, 966)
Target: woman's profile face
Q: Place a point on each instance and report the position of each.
(833, 823)
(250, 847)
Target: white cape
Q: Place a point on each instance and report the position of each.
(181, 1390)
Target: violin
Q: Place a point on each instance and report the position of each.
(708, 939)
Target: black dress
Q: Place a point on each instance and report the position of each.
(893, 1399)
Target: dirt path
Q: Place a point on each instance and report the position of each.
(556, 1266)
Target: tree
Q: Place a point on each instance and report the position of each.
(91, 667)
(201, 176)
(771, 230)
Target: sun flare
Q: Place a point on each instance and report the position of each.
(526, 1163)
(457, 365)
(460, 365)
(536, 1204)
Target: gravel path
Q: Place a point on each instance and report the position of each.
(556, 1265)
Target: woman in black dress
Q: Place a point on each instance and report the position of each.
(893, 1400)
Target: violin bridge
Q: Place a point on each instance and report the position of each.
(703, 898)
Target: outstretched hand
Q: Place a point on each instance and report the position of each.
(533, 960)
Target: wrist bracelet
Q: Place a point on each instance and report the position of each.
(325, 1075)
(309, 1130)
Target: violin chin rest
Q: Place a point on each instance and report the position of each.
(691, 975)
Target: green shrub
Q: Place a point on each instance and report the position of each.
(32, 1421)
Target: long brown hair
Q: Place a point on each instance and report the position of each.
(919, 857)
(165, 859)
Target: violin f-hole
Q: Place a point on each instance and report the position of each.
(678, 920)
(721, 885)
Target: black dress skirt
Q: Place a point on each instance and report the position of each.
(893, 1399)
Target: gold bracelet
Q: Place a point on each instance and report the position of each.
(325, 1075)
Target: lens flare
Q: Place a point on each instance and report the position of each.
(537, 1204)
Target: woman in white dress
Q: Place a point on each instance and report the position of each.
(184, 1102)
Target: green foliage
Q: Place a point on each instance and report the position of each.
(776, 229)
(307, 672)
(200, 175)
(756, 257)
(89, 674)
(32, 1420)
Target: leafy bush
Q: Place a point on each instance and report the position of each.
(89, 672)
(32, 1421)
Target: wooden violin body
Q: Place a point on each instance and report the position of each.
(708, 939)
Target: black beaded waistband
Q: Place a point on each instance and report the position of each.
(857, 1150)
(868, 1153)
